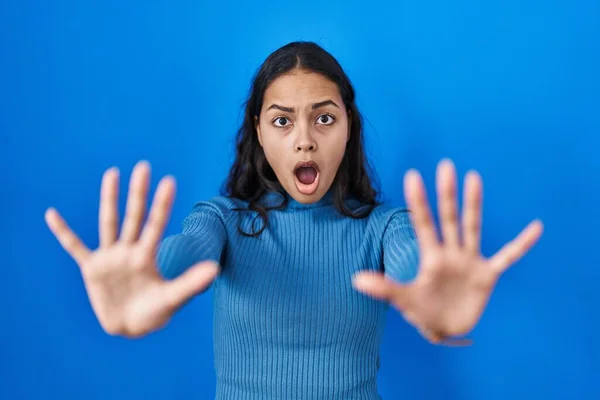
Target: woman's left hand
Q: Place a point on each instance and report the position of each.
(455, 281)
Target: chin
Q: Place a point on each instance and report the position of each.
(308, 198)
(305, 198)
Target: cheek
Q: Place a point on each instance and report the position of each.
(274, 148)
(338, 154)
(336, 144)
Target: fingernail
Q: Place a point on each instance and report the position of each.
(143, 164)
(48, 212)
(412, 173)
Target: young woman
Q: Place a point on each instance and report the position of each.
(304, 259)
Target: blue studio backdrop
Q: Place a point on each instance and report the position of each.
(510, 88)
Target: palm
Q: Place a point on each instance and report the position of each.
(451, 291)
(126, 291)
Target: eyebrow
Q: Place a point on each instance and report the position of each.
(313, 107)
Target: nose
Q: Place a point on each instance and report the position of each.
(306, 146)
(305, 142)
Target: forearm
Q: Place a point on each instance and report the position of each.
(202, 238)
(401, 259)
(178, 252)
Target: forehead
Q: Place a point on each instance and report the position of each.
(300, 88)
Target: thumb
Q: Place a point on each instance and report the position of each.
(376, 285)
(195, 280)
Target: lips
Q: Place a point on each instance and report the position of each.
(307, 176)
(306, 164)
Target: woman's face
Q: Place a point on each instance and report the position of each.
(303, 129)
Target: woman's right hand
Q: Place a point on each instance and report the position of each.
(129, 296)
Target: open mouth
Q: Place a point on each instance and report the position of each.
(307, 177)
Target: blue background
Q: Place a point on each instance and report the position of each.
(510, 88)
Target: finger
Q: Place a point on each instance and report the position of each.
(471, 222)
(378, 286)
(159, 213)
(416, 197)
(447, 205)
(66, 237)
(108, 214)
(511, 252)
(192, 282)
(136, 202)
(439, 339)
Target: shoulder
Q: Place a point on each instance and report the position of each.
(388, 214)
(392, 220)
(218, 207)
(222, 205)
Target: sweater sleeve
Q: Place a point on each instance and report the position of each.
(203, 237)
(400, 248)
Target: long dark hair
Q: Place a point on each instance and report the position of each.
(251, 176)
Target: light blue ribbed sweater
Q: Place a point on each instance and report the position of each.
(287, 322)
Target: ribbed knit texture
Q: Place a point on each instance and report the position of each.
(287, 322)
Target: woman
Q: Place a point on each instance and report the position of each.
(303, 258)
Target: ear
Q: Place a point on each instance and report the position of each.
(257, 127)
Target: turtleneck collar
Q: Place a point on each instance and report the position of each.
(271, 199)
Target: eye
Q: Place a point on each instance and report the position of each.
(280, 122)
(326, 119)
